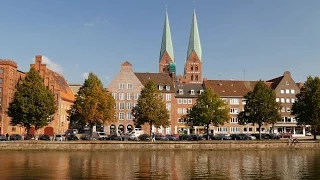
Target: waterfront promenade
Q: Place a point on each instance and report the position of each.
(159, 145)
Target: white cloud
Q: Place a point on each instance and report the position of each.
(88, 24)
(51, 65)
(85, 75)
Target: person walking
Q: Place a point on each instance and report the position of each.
(7, 136)
(153, 137)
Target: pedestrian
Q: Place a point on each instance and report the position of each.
(153, 137)
(7, 136)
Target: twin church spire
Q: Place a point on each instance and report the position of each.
(193, 64)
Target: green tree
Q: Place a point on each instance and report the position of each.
(151, 108)
(261, 107)
(208, 109)
(307, 106)
(93, 104)
(33, 104)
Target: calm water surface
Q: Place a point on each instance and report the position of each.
(161, 165)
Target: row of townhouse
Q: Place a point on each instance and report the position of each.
(179, 97)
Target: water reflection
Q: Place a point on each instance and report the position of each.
(161, 165)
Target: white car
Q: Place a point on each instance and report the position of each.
(308, 134)
(59, 137)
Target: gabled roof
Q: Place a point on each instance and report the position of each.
(230, 88)
(275, 82)
(194, 39)
(158, 78)
(126, 64)
(186, 89)
(66, 92)
(166, 44)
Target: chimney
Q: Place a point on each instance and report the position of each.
(38, 62)
(205, 79)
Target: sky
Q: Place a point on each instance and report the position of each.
(264, 38)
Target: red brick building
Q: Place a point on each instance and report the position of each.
(10, 76)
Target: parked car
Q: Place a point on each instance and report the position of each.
(87, 137)
(160, 137)
(195, 137)
(44, 137)
(115, 137)
(222, 137)
(14, 137)
(240, 137)
(99, 136)
(144, 137)
(308, 134)
(3, 138)
(29, 137)
(72, 137)
(172, 137)
(285, 135)
(59, 137)
(205, 136)
(71, 131)
(129, 137)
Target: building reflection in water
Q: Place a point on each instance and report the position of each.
(161, 165)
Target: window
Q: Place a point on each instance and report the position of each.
(196, 68)
(1, 80)
(222, 129)
(191, 68)
(234, 110)
(201, 91)
(179, 110)
(185, 101)
(244, 101)
(129, 86)
(225, 100)
(234, 101)
(121, 86)
(181, 120)
(180, 91)
(121, 116)
(168, 97)
(277, 99)
(235, 129)
(168, 88)
(129, 116)
(191, 77)
(13, 129)
(1, 70)
(247, 129)
(282, 100)
(184, 110)
(160, 87)
(114, 96)
(121, 105)
(283, 109)
(288, 110)
(192, 92)
(282, 91)
(179, 101)
(234, 120)
(292, 91)
(168, 106)
(287, 83)
(121, 96)
(136, 96)
(287, 100)
(129, 96)
(287, 91)
(293, 100)
(129, 105)
(189, 101)
(196, 77)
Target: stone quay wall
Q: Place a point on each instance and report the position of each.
(142, 146)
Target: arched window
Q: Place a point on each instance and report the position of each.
(164, 69)
(191, 68)
(191, 77)
(196, 68)
(196, 77)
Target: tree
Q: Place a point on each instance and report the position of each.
(307, 105)
(208, 109)
(93, 104)
(33, 104)
(151, 108)
(261, 107)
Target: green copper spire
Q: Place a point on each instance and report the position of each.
(194, 40)
(166, 44)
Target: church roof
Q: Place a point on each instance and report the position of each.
(166, 44)
(194, 39)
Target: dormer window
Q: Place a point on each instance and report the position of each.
(192, 92)
(160, 87)
(180, 91)
(167, 88)
(201, 91)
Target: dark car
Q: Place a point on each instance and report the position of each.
(240, 137)
(115, 137)
(14, 137)
(44, 137)
(206, 137)
(160, 137)
(29, 137)
(222, 137)
(71, 137)
(172, 137)
(144, 137)
(3, 138)
(195, 137)
(85, 137)
(286, 135)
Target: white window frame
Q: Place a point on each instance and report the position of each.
(160, 87)
(129, 116)
(201, 91)
(189, 101)
(234, 120)
(234, 101)
(179, 101)
(129, 86)
(292, 91)
(136, 96)
(282, 100)
(129, 105)
(121, 96)
(293, 100)
(185, 101)
(167, 87)
(115, 96)
(180, 91)
(121, 114)
(277, 99)
(168, 106)
(168, 97)
(287, 91)
(179, 110)
(234, 110)
(122, 105)
(192, 92)
(287, 100)
(282, 91)
(129, 96)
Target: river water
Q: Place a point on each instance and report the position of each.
(172, 165)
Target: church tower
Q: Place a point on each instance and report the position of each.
(166, 60)
(193, 65)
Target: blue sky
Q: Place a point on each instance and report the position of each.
(78, 36)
